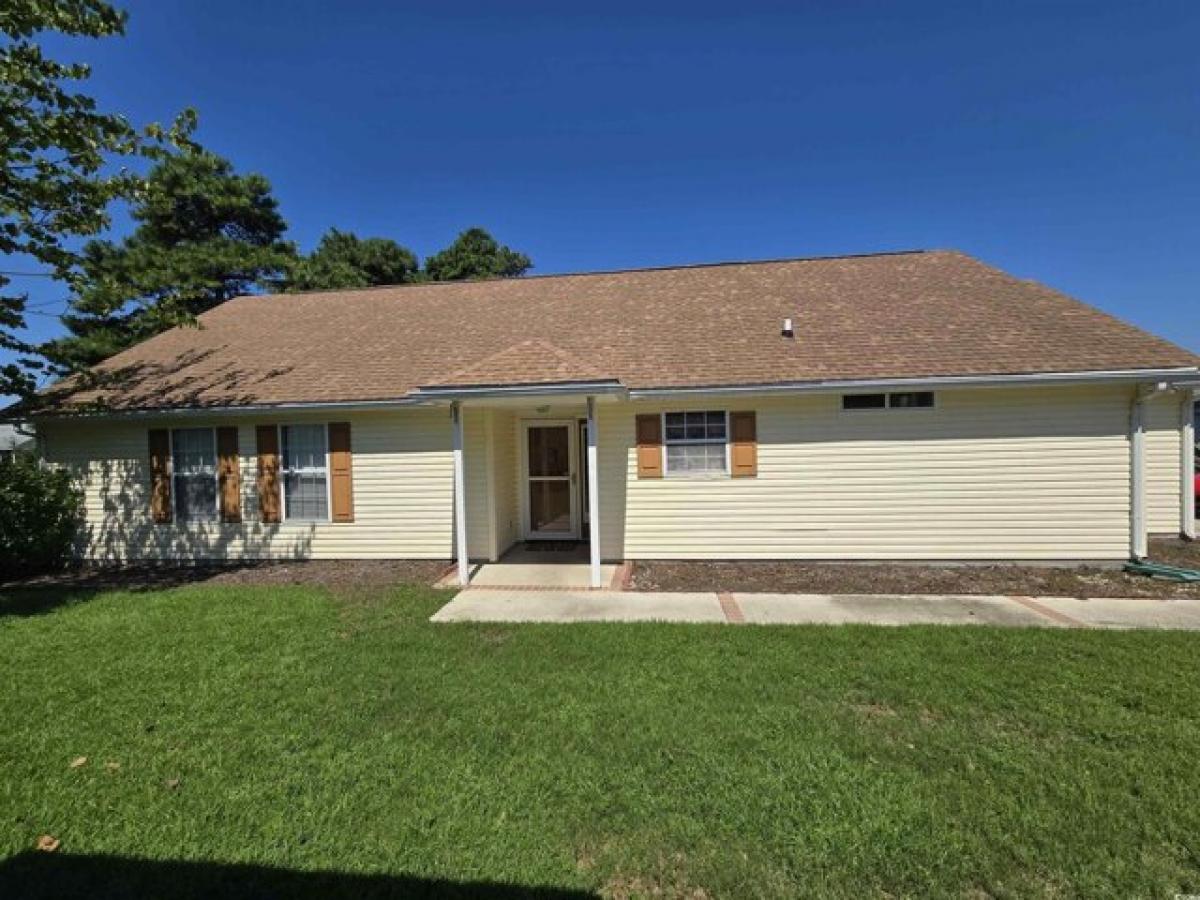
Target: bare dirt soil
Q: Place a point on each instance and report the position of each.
(900, 578)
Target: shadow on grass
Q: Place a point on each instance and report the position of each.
(45, 593)
(31, 875)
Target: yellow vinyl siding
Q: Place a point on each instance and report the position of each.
(1039, 473)
(403, 491)
(1162, 464)
(988, 474)
(506, 509)
(477, 447)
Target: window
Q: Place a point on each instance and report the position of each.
(695, 442)
(305, 473)
(898, 400)
(911, 400)
(194, 472)
(864, 401)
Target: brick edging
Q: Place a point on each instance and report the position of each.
(731, 609)
(622, 579)
(1053, 614)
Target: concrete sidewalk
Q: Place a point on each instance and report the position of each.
(498, 605)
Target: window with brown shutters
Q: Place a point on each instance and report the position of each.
(696, 442)
(229, 475)
(160, 475)
(267, 440)
(743, 445)
(341, 480)
(649, 446)
(304, 458)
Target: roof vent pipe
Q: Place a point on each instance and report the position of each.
(787, 329)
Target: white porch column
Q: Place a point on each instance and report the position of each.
(1137, 476)
(1187, 465)
(460, 498)
(593, 492)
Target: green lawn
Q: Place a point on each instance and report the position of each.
(289, 741)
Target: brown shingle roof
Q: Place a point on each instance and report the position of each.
(880, 316)
(529, 362)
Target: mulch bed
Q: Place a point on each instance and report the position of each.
(342, 574)
(900, 578)
(678, 575)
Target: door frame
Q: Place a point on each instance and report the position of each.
(527, 534)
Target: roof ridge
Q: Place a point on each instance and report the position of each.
(596, 272)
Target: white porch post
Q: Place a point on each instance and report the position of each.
(460, 498)
(1187, 465)
(1137, 476)
(593, 492)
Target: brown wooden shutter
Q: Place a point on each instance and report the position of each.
(160, 475)
(649, 446)
(743, 445)
(229, 474)
(267, 440)
(341, 481)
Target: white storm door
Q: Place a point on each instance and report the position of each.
(550, 499)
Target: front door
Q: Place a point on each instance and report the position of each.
(550, 505)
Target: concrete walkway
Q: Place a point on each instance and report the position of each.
(500, 605)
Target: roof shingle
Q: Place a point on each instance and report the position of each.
(908, 315)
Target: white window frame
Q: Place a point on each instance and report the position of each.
(887, 402)
(667, 473)
(175, 516)
(283, 511)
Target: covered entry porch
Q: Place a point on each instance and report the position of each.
(544, 566)
(527, 486)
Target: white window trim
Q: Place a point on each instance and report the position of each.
(175, 517)
(667, 473)
(887, 402)
(283, 513)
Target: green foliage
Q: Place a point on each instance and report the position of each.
(39, 515)
(344, 260)
(475, 254)
(56, 183)
(204, 234)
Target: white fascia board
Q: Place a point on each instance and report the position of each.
(1184, 377)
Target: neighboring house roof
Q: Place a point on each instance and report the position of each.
(899, 315)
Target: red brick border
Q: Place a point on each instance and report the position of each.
(729, 606)
(1030, 603)
(532, 587)
(622, 579)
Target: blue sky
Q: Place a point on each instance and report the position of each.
(1060, 141)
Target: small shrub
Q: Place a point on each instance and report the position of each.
(40, 512)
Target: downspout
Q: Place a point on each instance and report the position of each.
(1187, 467)
(1137, 467)
(1137, 475)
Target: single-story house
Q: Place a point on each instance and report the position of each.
(892, 406)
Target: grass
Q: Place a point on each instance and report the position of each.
(284, 741)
